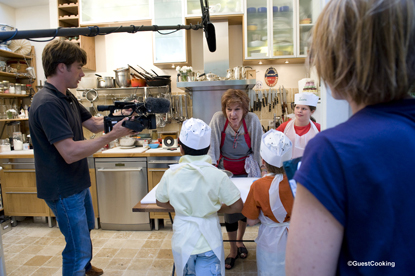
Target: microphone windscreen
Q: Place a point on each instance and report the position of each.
(157, 105)
(210, 36)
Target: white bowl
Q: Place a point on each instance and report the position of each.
(127, 141)
(256, 43)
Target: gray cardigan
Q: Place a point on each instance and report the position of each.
(254, 129)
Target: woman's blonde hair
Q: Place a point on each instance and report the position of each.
(365, 49)
(232, 96)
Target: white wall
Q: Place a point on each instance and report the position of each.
(25, 21)
(7, 15)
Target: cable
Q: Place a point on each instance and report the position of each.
(56, 34)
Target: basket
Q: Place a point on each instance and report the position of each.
(19, 65)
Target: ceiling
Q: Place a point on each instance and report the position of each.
(24, 3)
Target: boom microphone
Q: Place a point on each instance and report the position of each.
(208, 27)
(157, 105)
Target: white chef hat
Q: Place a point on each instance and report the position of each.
(306, 98)
(276, 148)
(195, 134)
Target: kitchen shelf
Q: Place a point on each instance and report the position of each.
(8, 95)
(11, 120)
(14, 75)
(71, 8)
(9, 54)
(125, 88)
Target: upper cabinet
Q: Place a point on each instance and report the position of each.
(68, 12)
(216, 7)
(109, 11)
(278, 30)
(169, 47)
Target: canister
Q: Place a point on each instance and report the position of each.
(12, 89)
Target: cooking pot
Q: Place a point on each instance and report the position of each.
(105, 82)
(122, 77)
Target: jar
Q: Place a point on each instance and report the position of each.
(27, 91)
(5, 145)
(6, 86)
(18, 88)
(12, 89)
(17, 141)
(1, 88)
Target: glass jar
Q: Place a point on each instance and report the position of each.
(17, 141)
(1, 87)
(12, 89)
(18, 88)
(5, 145)
(27, 91)
(6, 86)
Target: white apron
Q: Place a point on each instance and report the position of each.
(187, 231)
(272, 236)
(299, 142)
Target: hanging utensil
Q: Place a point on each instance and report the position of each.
(154, 72)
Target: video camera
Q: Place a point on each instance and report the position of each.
(145, 117)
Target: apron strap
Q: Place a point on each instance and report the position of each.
(246, 135)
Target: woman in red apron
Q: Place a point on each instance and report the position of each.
(301, 129)
(235, 144)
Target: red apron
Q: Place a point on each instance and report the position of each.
(236, 166)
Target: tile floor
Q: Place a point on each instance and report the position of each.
(35, 249)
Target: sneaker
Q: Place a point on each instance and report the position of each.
(94, 271)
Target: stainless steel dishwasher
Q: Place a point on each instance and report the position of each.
(121, 183)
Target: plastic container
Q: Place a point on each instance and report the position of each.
(18, 88)
(12, 89)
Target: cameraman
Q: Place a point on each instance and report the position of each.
(60, 151)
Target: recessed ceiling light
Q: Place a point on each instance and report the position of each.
(260, 62)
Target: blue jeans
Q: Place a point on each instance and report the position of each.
(75, 216)
(204, 264)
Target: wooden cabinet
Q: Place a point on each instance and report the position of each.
(154, 177)
(93, 190)
(20, 195)
(69, 13)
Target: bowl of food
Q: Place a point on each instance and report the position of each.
(127, 141)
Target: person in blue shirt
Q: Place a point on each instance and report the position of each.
(354, 208)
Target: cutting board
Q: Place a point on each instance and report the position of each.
(129, 150)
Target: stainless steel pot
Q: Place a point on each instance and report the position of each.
(105, 82)
(122, 77)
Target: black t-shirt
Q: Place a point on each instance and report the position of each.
(54, 117)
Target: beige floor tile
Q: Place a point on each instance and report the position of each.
(39, 232)
(147, 253)
(15, 248)
(162, 265)
(126, 253)
(134, 244)
(114, 243)
(11, 239)
(45, 241)
(55, 233)
(32, 249)
(165, 254)
(111, 272)
(58, 273)
(9, 256)
(124, 235)
(249, 266)
(23, 271)
(134, 273)
(162, 273)
(166, 244)
(55, 261)
(11, 268)
(37, 260)
(156, 235)
(28, 240)
(59, 241)
(102, 234)
(98, 242)
(152, 244)
(140, 235)
(51, 250)
(140, 265)
(43, 271)
(106, 252)
(118, 264)
(100, 262)
(19, 259)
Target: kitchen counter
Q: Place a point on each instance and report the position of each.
(16, 154)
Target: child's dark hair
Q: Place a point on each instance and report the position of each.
(190, 151)
(273, 169)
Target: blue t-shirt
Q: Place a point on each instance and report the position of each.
(363, 172)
